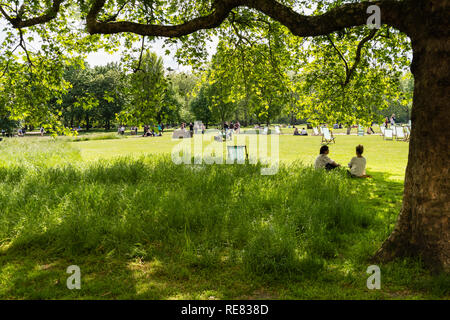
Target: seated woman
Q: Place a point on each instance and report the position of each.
(358, 164)
(296, 133)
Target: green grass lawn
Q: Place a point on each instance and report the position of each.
(141, 227)
(388, 157)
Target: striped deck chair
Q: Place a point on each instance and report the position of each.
(237, 153)
(360, 131)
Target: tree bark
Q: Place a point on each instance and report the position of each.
(423, 225)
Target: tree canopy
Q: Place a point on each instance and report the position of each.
(31, 80)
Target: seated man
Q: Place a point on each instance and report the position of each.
(358, 164)
(304, 132)
(323, 161)
(296, 133)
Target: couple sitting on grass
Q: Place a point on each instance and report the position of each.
(357, 165)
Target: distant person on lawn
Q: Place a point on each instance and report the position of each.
(323, 161)
(358, 164)
(393, 119)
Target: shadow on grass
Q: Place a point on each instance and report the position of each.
(150, 251)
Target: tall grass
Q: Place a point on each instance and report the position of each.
(20, 152)
(203, 215)
(94, 136)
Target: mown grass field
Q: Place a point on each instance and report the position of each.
(141, 227)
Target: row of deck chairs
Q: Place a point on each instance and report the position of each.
(266, 130)
(400, 133)
(327, 136)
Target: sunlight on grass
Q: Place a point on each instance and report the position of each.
(142, 227)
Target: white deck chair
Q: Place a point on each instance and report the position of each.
(394, 131)
(327, 136)
(408, 133)
(316, 131)
(266, 129)
(388, 134)
(277, 130)
(360, 131)
(236, 153)
(400, 134)
(382, 128)
(229, 134)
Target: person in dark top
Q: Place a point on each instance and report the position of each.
(145, 131)
(191, 129)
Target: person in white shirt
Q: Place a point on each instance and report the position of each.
(357, 164)
(323, 161)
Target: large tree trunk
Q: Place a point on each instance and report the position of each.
(423, 225)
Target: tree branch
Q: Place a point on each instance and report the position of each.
(23, 45)
(18, 22)
(138, 68)
(345, 16)
(114, 16)
(341, 56)
(358, 55)
(349, 71)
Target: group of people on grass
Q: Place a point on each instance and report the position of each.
(235, 127)
(390, 121)
(302, 133)
(194, 128)
(357, 164)
(153, 131)
(149, 131)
